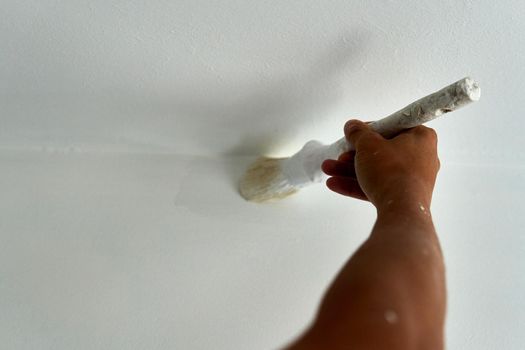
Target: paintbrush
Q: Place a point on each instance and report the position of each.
(275, 178)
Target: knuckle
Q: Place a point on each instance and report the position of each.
(426, 132)
(370, 135)
(432, 133)
(420, 129)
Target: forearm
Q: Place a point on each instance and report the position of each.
(405, 245)
(391, 293)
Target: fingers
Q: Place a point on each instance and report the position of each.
(361, 135)
(347, 157)
(343, 166)
(338, 168)
(346, 186)
(420, 131)
(426, 132)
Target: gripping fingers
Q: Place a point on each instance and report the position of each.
(338, 168)
(361, 135)
(346, 186)
(347, 157)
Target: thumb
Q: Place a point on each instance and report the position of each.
(360, 134)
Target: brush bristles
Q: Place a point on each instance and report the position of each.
(264, 181)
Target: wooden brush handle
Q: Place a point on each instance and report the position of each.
(304, 167)
(419, 112)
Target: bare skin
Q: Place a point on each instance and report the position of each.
(391, 293)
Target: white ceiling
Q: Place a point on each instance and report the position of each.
(245, 77)
(125, 252)
(159, 251)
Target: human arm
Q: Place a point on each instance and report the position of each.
(391, 292)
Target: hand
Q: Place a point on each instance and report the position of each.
(382, 170)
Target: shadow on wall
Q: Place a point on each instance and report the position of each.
(267, 115)
(250, 118)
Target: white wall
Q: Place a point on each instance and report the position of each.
(122, 130)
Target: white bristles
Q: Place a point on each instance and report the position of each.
(264, 181)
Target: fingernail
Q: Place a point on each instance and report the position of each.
(351, 124)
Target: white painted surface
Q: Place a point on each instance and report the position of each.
(238, 76)
(159, 252)
(133, 251)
